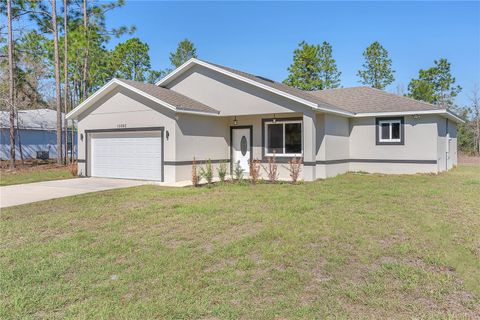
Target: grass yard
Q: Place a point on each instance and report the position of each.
(358, 246)
(33, 175)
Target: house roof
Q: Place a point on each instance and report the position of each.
(350, 102)
(168, 98)
(292, 93)
(34, 119)
(366, 99)
(171, 97)
(283, 87)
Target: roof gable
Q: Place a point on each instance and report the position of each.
(165, 97)
(280, 89)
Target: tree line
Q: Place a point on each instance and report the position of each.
(314, 68)
(56, 56)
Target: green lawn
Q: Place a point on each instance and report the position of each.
(28, 176)
(354, 246)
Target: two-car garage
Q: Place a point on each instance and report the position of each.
(126, 154)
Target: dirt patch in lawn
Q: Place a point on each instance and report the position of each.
(464, 159)
(29, 165)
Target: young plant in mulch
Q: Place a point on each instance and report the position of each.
(271, 169)
(195, 176)
(206, 172)
(294, 167)
(254, 166)
(222, 171)
(238, 172)
(73, 168)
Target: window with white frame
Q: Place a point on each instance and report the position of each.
(390, 131)
(283, 138)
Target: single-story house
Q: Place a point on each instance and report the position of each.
(202, 110)
(35, 134)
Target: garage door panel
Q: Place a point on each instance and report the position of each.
(127, 155)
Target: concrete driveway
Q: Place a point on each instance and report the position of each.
(38, 191)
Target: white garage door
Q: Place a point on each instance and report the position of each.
(128, 155)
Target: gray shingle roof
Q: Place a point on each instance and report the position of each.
(355, 99)
(366, 99)
(171, 97)
(350, 100)
(305, 95)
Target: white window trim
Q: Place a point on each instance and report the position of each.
(267, 154)
(390, 122)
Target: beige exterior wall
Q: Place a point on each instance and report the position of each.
(454, 143)
(446, 144)
(201, 137)
(420, 138)
(393, 168)
(124, 108)
(230, 96)
(332, 144)
(256, 122)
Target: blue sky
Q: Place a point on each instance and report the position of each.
(259, 37)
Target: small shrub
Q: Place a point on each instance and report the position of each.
(271, 169)
(195, 177)
(254, 166)
(222, 171)
(294, 167)
(238, 172)
(73, 168)
(206, 172)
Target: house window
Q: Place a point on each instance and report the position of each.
(390, 131)
(283, 138)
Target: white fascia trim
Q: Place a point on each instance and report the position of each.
(334, 111)
(186, 65)
(198, 113)
(109, 86)
(444, 112)
(90, 99)
(397, 113)
(454, 117)
(193, 61)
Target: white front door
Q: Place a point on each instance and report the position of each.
(241, 148)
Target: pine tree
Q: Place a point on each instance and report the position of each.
(435, 85)
(329, 73)
(377, 69)
(305, 69)
(130, 60)
(185, 51)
